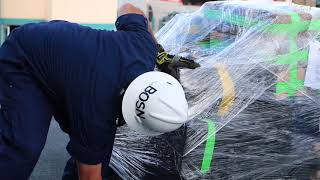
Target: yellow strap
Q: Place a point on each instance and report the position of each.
(228, 90)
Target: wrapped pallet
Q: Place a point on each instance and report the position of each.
(254, 104)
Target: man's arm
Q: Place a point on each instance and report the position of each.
(94, 172)
(89, 172)
(165, 62)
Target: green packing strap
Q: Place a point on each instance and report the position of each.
(209, 147)
(293, 84)
(314, 25)
(208, 44)
(292, 30)
(230, 18)
(292, 58)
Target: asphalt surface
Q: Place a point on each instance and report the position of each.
(54, 155)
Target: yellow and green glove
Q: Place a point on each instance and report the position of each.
(171, 64)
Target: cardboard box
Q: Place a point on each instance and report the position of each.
(311, 3)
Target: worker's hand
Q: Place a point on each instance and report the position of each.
(171, 64)
(89, 172)
(129, 9)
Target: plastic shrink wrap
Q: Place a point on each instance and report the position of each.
(253, 104)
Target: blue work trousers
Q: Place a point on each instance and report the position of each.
(25, 115)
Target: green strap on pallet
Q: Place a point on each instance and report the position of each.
(292, 30)
(292, 59)
(209, 147)
(210, 43)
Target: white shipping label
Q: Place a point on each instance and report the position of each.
(312, 78)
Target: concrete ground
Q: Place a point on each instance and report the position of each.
(54, 155)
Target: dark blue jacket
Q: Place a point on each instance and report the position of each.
(83, 70)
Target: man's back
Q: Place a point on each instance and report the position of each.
(60, 53)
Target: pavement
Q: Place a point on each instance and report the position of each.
(53, 157)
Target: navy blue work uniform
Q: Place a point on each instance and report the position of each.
(73, 73)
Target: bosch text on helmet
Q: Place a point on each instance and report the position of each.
(143, 97)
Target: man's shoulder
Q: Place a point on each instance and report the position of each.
(64, 25)
(56, 26)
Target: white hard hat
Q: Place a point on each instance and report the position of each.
(154, 103)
